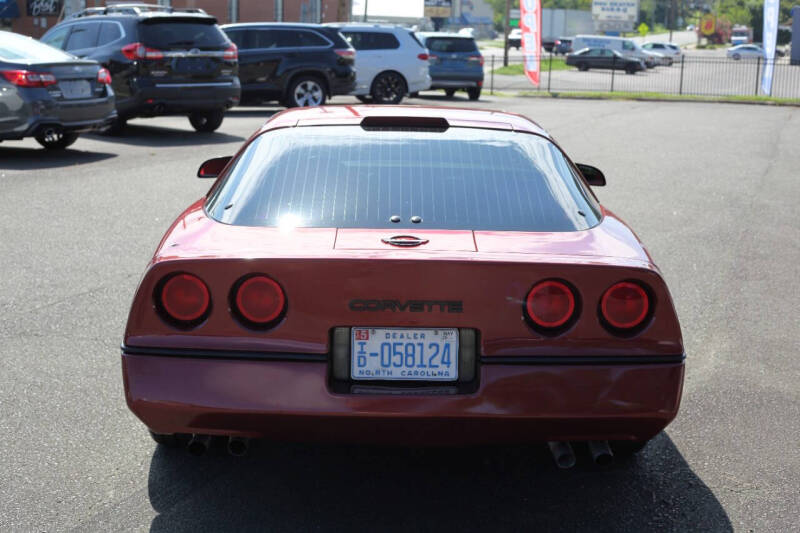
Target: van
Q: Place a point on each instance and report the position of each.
(626, 47)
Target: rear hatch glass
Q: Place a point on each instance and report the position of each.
(451, 45)
(177, 35)
(458, 179)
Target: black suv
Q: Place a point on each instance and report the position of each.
(163, 61)
(295, 64)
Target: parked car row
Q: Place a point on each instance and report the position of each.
(150, 60)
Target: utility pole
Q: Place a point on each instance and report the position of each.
(366, 5)
(506, 29)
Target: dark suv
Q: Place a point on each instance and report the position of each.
(163, 61)
(295, 64)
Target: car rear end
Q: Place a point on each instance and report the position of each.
(45, 89)
(182, 63)
(455, 62)
(341, 63)
(337, 308)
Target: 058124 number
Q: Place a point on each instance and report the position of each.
(411, 355)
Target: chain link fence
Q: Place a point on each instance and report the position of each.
(688, 75)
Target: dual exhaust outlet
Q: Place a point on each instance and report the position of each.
(199, 444)
(564, 456)
(562, 452)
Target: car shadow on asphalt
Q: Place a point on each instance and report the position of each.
(282, 487)
(255, 111)
(12, 158)
(157, 136)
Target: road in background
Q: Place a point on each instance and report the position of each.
(714, 201)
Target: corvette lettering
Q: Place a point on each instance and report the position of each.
(412, 306)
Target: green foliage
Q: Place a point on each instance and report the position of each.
(643, 29)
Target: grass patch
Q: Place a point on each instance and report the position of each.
(517, 69)
(490, 44)
(668, 97)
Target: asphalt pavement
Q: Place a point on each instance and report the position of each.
(710, 188)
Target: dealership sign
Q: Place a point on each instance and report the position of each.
(44, 8)
(615, 15)
(530, 24)
(438, 8)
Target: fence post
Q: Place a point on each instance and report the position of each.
(491, 83)
(680, 87)
(550, 70)
(613, 64)
(758, 71)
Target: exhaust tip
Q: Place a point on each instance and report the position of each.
(601, 452)
(562, 454)
(238, 446)
(198, 445)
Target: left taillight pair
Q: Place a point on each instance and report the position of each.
(27, 78)
(552, 306)
(184, 300)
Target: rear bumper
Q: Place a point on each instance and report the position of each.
(294, 400)
(177, 98)
(77, 115)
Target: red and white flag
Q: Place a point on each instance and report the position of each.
(530, 23)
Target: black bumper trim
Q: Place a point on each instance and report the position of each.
(583, 360)
(225, 354)
(531, 360)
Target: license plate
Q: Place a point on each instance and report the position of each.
(193, 65)
(404, 354)
(75, 88)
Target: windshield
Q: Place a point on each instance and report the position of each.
(462, 178)
(15, 47)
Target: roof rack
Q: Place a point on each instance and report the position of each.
(135, 9)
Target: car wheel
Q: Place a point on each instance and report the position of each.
(206, 121)
(388, 88)
(175, 440)
(737, 57)
(55, 138)
(627, 448)
(583, 67)
(474, 93)
(364, 99)
(305, 91)
(449, 92)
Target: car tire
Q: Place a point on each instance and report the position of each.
(474, 93)
(449, 92)
(56, 138)
(175, 440)
(364, 99)
(206, 121)
(305, 91)
(737, 57)
(583, 67)
(117, 126)
(389, 88)
(625, 449)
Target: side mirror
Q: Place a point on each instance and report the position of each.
(212, 167)
(593, 175)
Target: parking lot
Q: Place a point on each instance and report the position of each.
(714, 202)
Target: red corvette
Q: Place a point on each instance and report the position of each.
(413, 275)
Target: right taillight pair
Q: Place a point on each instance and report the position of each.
(552, 306)
(184, 300)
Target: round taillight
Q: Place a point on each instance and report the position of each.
(185, 298)
(550, 304)
(259, 300)
(625, 305)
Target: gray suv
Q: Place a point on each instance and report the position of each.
(454, 63)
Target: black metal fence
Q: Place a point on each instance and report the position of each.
(689, 75)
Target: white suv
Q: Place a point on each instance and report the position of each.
(390, 62)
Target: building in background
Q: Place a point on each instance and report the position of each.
(34, 17)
